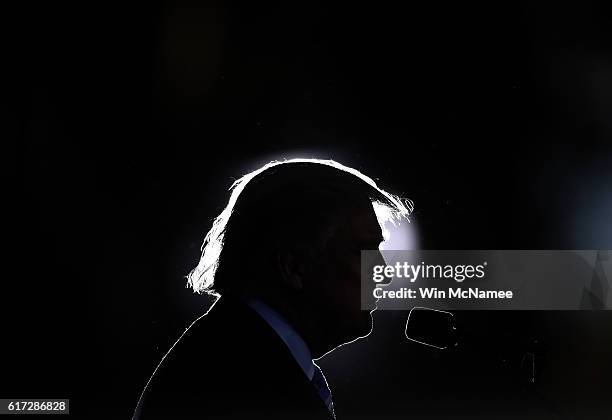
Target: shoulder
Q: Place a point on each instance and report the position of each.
(229, 336)
(228, 353)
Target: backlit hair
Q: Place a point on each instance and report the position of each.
(388, 208)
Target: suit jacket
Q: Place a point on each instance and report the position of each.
(230, 364)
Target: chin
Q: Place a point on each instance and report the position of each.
(364, 325)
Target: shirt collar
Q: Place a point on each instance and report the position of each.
(297, 346)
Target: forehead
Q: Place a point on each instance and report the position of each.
(361, 222)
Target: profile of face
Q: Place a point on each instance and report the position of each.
(332, 279)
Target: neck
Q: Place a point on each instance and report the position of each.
(308, 323)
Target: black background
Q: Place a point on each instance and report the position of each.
(133, 120)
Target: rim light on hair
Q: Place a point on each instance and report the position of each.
(201, 278)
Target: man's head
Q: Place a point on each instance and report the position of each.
(291, 235)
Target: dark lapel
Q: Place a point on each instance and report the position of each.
(231, 364)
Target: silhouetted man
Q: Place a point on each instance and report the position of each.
(284, 257)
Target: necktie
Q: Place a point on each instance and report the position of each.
(320, 384)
